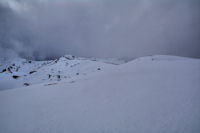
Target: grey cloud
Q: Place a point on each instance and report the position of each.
(122, 29)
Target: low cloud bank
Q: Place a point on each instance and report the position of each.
(42, 29)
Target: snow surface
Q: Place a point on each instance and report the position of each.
(155, 94)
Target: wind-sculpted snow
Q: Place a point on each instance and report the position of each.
(157, 94)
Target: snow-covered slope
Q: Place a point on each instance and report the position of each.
(157, 94)
(20, 72)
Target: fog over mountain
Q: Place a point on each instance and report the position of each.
(41, 29)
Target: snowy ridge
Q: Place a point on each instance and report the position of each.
(20, 72)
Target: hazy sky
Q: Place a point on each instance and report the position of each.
(100, 28)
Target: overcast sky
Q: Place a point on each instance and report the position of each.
(101, 28)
